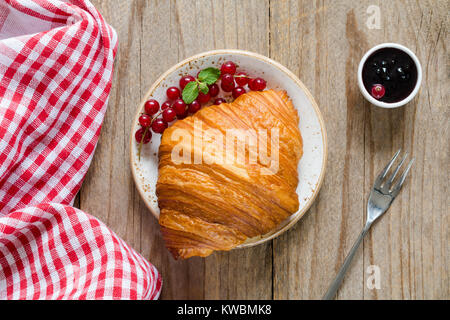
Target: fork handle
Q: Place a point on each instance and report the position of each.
(331, 293)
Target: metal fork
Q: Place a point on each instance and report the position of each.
(380, 199)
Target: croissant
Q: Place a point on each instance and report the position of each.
(210, 202)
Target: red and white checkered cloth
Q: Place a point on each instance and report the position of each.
(53, 251)
(56, 64)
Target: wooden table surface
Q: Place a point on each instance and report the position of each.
(322, 42)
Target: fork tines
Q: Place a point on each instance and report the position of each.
(386, 186)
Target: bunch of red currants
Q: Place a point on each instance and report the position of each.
(176, 108)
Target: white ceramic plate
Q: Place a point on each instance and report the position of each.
(311, 167)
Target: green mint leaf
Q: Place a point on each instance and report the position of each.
(203, 87)
(209, 75)
(190, 92)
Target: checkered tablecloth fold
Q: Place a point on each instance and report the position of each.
(56, 68)
(53, 251)
(55, 79)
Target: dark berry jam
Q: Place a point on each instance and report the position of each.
(394, 70)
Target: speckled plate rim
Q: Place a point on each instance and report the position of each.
(271, 235)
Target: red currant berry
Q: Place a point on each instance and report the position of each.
(179, 106)
(151, 107)
(166, 105)
(169, 115)
(250, 84)
(173, 93)
(228, 67)
(213, 90)
(378, 91)
(227, 87)
(238, 91)
(182, 116)
(145, 120)
(185, 80)
(203, 98)
(261, 83)
(227, 79)
(139, 133)
(257, 84)
(194, 106)
(241, 78)
(219, 101)
(158, 126)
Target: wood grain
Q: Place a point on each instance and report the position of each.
(414, 256)
(322, 42)
(302, 268)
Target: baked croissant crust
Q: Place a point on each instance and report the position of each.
(217, 205)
